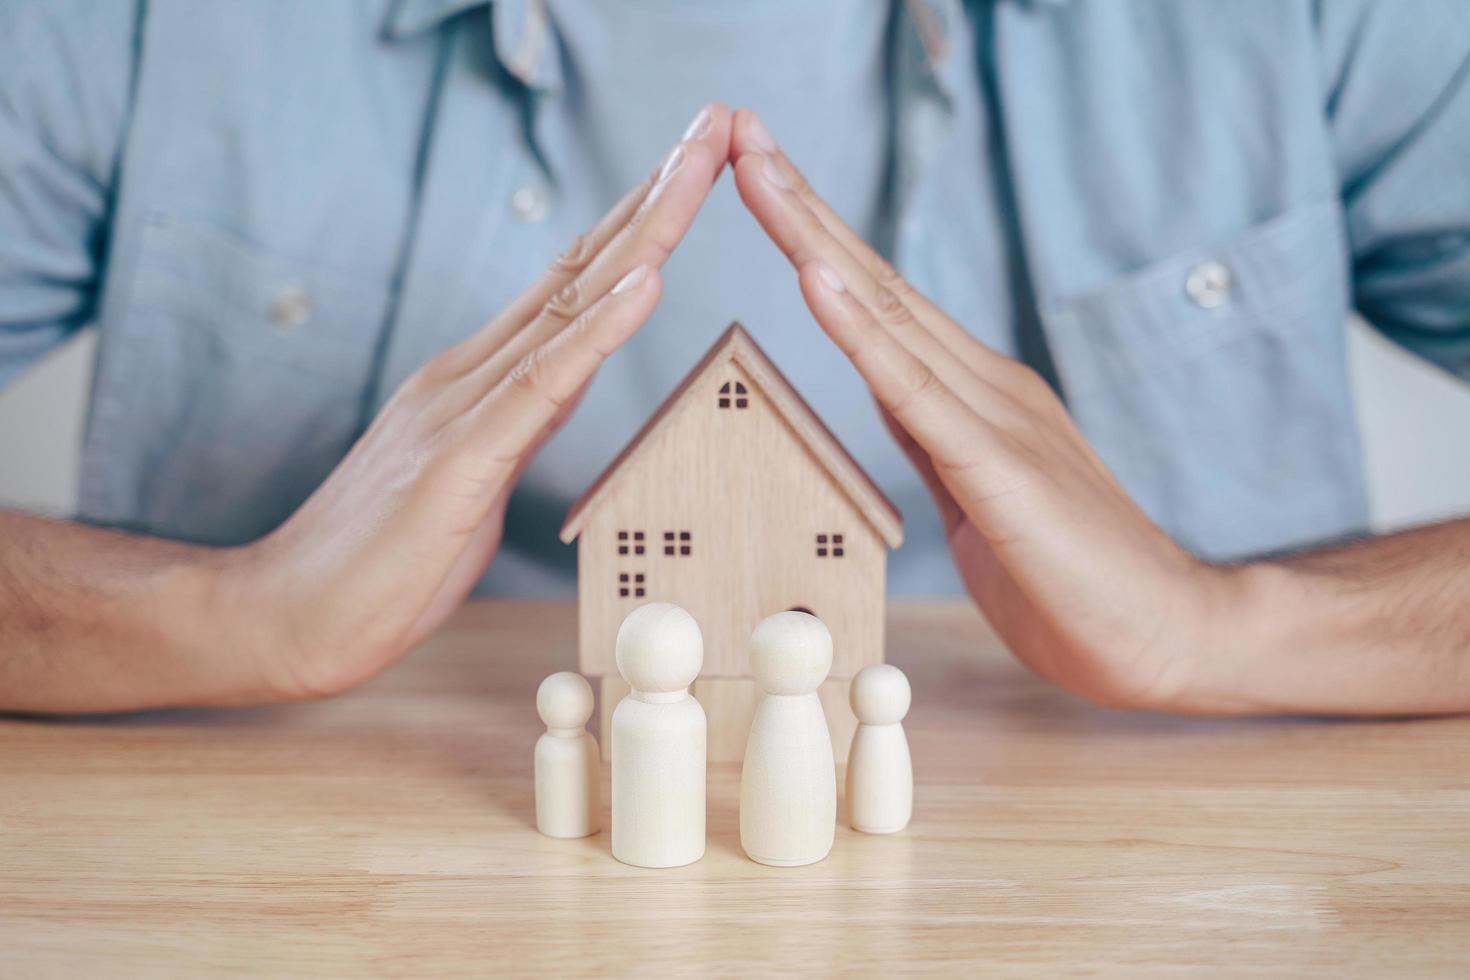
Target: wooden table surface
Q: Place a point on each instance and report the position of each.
(391, 831)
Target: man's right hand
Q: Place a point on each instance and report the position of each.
(403, 528)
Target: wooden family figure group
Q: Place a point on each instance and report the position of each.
(788, 780)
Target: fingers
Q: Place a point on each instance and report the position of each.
(780, 206)
(804, 226)
(751, 135)
(476, 348)
(954, 437)
(646, 236)
(515, 414)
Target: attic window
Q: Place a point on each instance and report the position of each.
(741, 401)
(829, 544)
(679, 543)
(633, 587)
(636, 547)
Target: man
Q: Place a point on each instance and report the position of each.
(280, 214)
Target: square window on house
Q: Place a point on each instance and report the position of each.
(630, 584)
(737, 388)
(835, 550)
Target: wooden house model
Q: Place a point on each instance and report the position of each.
(735, 502)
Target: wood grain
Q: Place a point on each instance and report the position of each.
(752, 485)
(391, 832)
(753, 494)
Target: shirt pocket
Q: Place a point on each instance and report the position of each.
(236, 382)
(1214, 382)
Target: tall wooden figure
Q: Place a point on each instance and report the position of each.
(658, 767)
(568, 777)
(788, 781)
(880, 772)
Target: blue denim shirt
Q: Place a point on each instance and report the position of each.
(273, 211)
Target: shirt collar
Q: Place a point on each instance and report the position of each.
(525, 47)
(934, 24)
(521, 29)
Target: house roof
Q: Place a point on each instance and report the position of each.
(738, 346)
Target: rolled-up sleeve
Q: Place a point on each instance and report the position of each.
(1397, 88)
(66, 69)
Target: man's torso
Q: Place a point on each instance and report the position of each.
(307, 209)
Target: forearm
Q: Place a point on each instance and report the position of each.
(98, 620)
(1378, 626)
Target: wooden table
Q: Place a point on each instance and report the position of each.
(391, 832)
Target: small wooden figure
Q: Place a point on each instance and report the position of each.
(658, 768)
(735, 502)
(568, 778)
(880, 773)
(788, 781)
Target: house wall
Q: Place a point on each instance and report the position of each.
(753, 499)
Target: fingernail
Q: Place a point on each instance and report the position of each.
(701, 125)
(771, 172)
(632, 280)
(760, 135)
(675, 160)
(830, 278)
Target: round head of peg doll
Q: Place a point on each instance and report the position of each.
(790, 653)
(659, 649)
(879, 695)
(564, 700)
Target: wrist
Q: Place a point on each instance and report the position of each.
(1245, 640)
(249, 628)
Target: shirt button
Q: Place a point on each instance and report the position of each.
(291, 308)
(530, 203)
(1208, 285)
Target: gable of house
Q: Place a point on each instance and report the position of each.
(725, 513)
(760, 377)
(721, 506)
